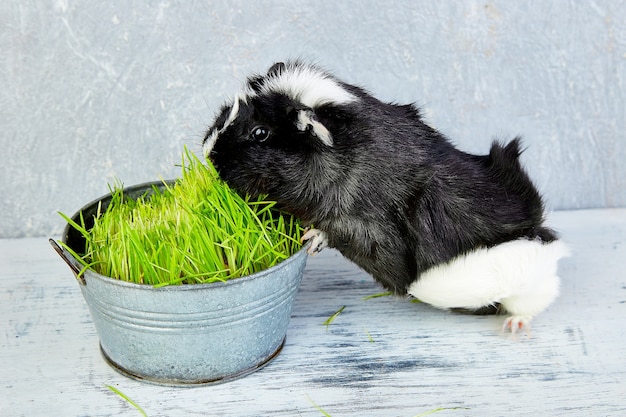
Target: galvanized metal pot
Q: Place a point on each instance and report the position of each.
(186, 334)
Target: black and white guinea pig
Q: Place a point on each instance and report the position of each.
(392, 194)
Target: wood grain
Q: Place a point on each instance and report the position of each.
(380, 357)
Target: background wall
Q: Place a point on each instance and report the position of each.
(90, 91)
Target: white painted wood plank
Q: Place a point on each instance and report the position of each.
(420, 358)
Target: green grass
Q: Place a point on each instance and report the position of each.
(198, 230)
(382, 294)
(125, 397)
(332, 318)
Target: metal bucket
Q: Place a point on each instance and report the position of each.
(186, 334)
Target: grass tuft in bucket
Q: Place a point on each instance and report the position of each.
(196, 230)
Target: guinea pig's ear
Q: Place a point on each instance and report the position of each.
(276, 69)
(307, 122)
(255, 83)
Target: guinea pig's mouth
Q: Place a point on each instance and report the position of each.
(210, 155)
(218, 167)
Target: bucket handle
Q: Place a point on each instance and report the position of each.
(69, 259)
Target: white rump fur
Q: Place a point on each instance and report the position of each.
(308, 85)
(520, 274)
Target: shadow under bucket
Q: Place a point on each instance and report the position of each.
(186, 334)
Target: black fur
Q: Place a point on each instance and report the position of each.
(391, 193)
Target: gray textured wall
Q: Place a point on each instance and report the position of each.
(90, 91)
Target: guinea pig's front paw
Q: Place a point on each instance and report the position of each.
(317, 238)
(517, 323)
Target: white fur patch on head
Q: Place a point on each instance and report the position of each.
(306, 120)
(234, 111)
(520, 274)
(208, 144)
(306, 84)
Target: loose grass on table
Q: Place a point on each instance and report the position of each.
(198, 230)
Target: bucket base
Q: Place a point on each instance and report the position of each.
(190, 383)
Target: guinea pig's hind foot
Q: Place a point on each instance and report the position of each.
(318, 240)
(517, 323)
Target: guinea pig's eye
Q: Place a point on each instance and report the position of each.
(259, 133)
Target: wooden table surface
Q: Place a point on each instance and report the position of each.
(380, 357)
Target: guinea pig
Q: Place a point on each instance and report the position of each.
(455, 230)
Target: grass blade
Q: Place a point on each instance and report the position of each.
(125, 397)
(332, 318)
(436, 410)
(318, 408)
(382, 294)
